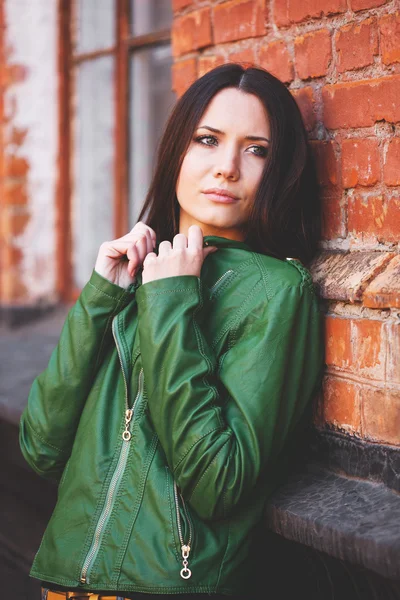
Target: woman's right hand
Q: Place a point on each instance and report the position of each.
(119, 260)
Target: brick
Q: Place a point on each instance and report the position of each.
(191, 32)
(361, 103)
(364, 4)
(17, 136)
(365, 215)
(313, 53)
(276, 59)
(384, 290)
(345, 276)
(333, 223)
(16, 166)
(281, 13)
(14, 73)
(306, 103)
(341, 404)
(393, 354)
(356, 345)
(12, 256)
(207, 63)
(13, 223)
(369, 348)
(245, 57)
(391, 166)
(356, 45)
(338, 342)
(13, 290)
(180, 4)
(374, 217)
(184, 73)
(307, 9)
(391, 227)
(389, 27)
(15, 193)
(360, 162)
(238, 20)
(327, 163)
(380, 415)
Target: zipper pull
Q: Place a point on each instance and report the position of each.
(185, 572)
(126, 435)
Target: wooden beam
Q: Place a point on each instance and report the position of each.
(63, 190)
(121, 170)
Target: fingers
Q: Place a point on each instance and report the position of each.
(179, 241)
(149, 259)
(164, 248)
(209, 250)
(135, 259)
(137, 252)
(195, 238)
(149, 242)
(141, 227)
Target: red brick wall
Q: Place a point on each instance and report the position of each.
(341, 61)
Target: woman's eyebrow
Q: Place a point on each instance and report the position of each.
(253, 138)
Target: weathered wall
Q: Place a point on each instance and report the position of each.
(340, 59)
(28, 148)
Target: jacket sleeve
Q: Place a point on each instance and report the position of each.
(221, 423)
(57, 396)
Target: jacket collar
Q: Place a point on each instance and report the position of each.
(221, 242)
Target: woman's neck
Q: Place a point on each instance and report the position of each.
(230, 233)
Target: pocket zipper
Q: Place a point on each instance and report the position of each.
(185, 548)
(219, 281)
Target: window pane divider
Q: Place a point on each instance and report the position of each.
(79, 58)
(149, 39)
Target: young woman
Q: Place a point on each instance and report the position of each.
(184, 370)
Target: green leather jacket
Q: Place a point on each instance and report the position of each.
(165, 412)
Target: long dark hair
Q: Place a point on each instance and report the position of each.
(285, 220)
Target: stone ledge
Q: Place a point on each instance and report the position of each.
(349, 519)
(384, 290)
(346, 276)
(13, 317)
(348, 455)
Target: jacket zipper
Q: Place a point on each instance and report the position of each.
(117, 475)
(185, 548)
(219, 281)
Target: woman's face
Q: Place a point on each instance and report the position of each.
(227, 152)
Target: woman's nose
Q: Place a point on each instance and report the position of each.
(227, 166)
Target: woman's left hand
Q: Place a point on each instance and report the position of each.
(185, 256)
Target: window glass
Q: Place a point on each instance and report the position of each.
(93, 168)
(150, 105)
(150, 15)
(95, 26)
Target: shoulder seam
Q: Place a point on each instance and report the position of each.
(268, 290)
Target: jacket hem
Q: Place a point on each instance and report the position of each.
(195, 589)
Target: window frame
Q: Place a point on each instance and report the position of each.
(68, 60)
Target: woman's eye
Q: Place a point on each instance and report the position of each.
(211, 140)
(202, 140)
(259, 151)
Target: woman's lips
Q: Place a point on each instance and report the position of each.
(219, 198)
